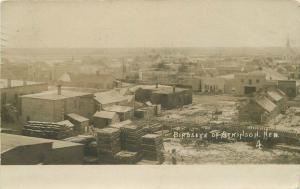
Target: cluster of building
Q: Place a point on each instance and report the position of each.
(69, 123)
(45, 117)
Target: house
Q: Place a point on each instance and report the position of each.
(124, 112)
(257, 110)
(81, 124)
(24, 150)
(103, 119)
(54, 105)
(249, 83)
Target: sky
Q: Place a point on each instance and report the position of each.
(150, 23)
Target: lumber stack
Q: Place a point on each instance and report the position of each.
(49, 130)
(108, 144)
(152, 146)
(131, 137)
(126, 157)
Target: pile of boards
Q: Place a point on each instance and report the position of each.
(108, 144)
(49, 130)
(152, 146)
(131, 137)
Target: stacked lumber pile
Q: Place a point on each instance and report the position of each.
(108, 144)
(152, 146)
(131, 137)
(126, 157)
(49, 130)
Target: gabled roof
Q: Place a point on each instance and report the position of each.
(105, 114)
(274, 95)
(65, 77)
(108, 97)
(266, 104)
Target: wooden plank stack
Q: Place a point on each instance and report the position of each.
(108, 144)
(126, 157)
(49, 130)
(152, 146)
(131, 137)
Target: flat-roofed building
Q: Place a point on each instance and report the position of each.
(53, 106)
(169, 97)
(23, 150)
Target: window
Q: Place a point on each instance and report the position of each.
(257, 81)
(242, 80)
(250, 81)
(27, 118)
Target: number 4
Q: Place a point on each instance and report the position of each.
(259, 145)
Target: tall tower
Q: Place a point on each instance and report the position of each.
(289, 53)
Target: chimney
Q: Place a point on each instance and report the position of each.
(174, 89)
(8, 83)
(59, 89)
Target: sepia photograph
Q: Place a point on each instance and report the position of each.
(150, 82)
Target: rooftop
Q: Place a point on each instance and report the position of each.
(266, 104)
(17, 83)
(53, 95)
(117, 108)
(121, 124)
(229, 76)
(275, 95)
(66, 123)
(77, 117)
(105, 114)
(109, 97)
(165, 89)
(9, 141)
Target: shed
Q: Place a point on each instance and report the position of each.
(81, 123)
(102, 119)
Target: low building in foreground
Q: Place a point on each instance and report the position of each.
(23, 150)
